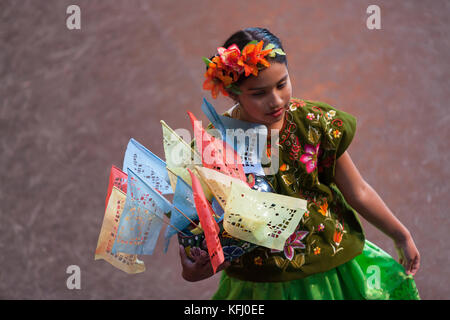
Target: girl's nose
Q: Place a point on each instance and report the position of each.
(276, 101)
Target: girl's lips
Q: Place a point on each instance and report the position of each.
(276, 113)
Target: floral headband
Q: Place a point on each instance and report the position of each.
(226, 67)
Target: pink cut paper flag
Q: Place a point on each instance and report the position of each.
(118, 179)
(216, 153)
(209, 225)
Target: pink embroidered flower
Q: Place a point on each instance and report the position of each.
(309, 158)
(320, 227)
(293, 242)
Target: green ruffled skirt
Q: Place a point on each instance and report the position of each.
(373, 275)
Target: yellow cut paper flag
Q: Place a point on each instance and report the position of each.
(263, 218)
(180, 157)
(128, 263)
(219, 183)
(177, 151)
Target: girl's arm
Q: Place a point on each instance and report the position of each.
(365, 200)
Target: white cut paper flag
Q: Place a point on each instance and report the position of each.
(263, 218)
(219, 183)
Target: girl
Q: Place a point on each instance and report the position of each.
(328, 256)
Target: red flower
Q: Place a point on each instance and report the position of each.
(230, 57)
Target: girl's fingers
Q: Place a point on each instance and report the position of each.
(195, 252)
(415, 266)
(184, 258)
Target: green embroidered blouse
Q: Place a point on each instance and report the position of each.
(313, 136)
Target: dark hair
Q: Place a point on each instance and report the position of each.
(242, 37)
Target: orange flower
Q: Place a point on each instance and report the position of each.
(316, 250)
(224, 69)
(337, 237)
(251, 56)
(215, 79)
(215, 86)
(323, 208)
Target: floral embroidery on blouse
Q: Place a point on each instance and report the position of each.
(295, 103)
(310, 140)
(309, 158)
(293, 242)
(258, 261)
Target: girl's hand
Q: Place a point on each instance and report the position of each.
(408, 255)
(200, 268)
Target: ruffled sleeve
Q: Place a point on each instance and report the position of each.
(337, 127)
(326, 132)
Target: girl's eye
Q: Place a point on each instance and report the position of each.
(258, 93)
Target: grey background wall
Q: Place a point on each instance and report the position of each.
(71, 99)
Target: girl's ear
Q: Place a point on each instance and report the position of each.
(233, 96)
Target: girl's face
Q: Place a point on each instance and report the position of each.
(265, 98)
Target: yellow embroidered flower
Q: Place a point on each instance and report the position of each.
(336, 133)
(316, 250)
(258, 261)
(330, 114)
(288, 179)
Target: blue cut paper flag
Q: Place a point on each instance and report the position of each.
(147, 166)
(218, 210)
(183, 200)
(254, 137)
(142, 218)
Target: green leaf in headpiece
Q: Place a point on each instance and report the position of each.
(279, 51)
(275, 52)
(269, 46)
(252, 42)
(206, 61)
(235, 89)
